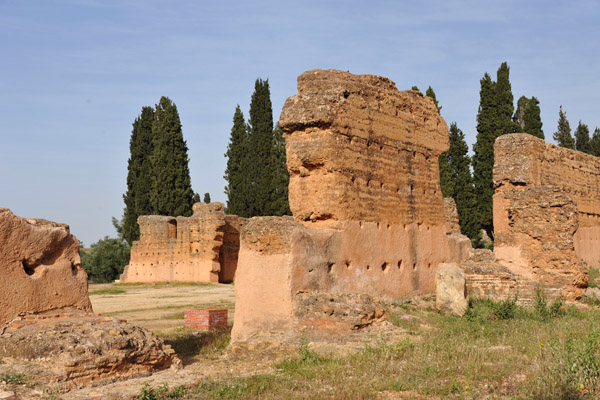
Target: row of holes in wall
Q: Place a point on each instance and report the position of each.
(384, 267)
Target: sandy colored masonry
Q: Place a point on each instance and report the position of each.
(40, 266)
(200, 248)
(546, 212)
(368, 211)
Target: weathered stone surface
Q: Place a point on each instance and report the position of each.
(200, 248)
(592, 293)
(360, 150)
(546, 212)
(79, 347)
(40, 266)
(451, 215)
(365, 194)
(450, 289)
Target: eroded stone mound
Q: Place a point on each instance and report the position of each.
(80, 347)
(40, 267)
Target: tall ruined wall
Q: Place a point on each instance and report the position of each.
(40, 266)
(546, 211)
(360, 150)
(365, 196)
(185, 249)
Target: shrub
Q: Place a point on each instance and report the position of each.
(107, 259)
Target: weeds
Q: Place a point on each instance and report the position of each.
(545, 312)
(14, 378)
(593, 275)
(188, 343)
(161, 393)
(486, 309)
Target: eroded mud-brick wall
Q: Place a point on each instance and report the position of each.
(200, 248)
(40, 266)
(546, 211)
(368, 211)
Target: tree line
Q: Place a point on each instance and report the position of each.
(469, 180)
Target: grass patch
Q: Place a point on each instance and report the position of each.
(14, 378)
(188, 343)
(179, 315)
(111, 290)
(593, 275)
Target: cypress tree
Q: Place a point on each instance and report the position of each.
(582, 138)
(519, 117)
(259, 168)
(139, 175)
(237, 188)
(532, 121)
(463, 191)
(446, 178)
(279, 204)
(563, 134)
(504, 102)
(171, 188)
(595, 142)
(431, 93)
(483, 149)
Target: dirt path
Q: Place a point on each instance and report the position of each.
(161, 306)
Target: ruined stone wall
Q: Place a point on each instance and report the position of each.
(200, 248)
(40, 266)
(546, 211)
(365, 196)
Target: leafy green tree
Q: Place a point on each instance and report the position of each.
(196, 198)
(139, 175)
(446, 178)
(595, 142)
(483, 149)
(415, 88)
(206, 197)
(563, 134)
(279, 204)
(582, 138)
(171, 187)
(431, 93)
(532, 120)
(106, 259)
(237, 189)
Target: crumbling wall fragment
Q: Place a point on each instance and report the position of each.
(40, 266)
(368, 212)
(546, 212)
(200, 248)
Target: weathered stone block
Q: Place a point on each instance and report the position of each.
(450, 289)
(40, 266)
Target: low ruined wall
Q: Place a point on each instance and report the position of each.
(40, 266)
(546, 211)
(200, 248)
(368, 211)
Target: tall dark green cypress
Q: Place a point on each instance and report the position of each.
(483, 149)
(532, 120)
(237, 188)
(595, 143)
(260, 143)
(563, 134)
(582, 138)
(430, 93)
(171, 188)
(139, 175)
(519, 117)
(463, 190)
(278, 203)
(504, 102)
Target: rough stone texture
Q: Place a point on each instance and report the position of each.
(360, 150)
(451, 215)
(40, 266)
(80, 347)
(200, 248)
(366, 200)
(546, 212)
(450, 289)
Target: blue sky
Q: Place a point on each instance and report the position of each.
(75, 74)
